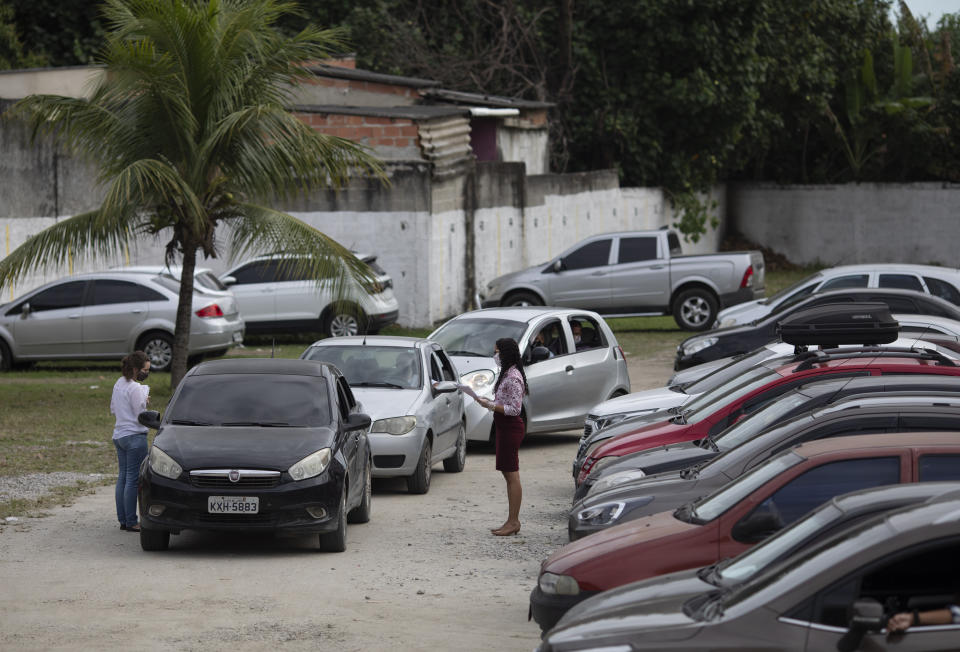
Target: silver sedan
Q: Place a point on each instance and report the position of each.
(408, 387)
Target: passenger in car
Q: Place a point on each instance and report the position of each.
(583, 338)
(902, 621)
(544, 339)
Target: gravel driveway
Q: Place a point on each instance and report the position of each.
(424, 574)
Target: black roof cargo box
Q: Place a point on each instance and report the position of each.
(840, 323)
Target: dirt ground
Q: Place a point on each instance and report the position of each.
(424, 574)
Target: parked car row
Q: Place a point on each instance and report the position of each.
(749, 466)
(105, 315)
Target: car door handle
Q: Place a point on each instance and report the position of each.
(656, 267)
(136, 312)
(73, 316)
(568, 368)
(599, 274)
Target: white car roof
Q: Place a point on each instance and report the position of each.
(526, 313)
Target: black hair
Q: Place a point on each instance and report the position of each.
(510, 357)
(133, 363)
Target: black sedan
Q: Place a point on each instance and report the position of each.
(856, 415)
(736, 340)
(262, 445)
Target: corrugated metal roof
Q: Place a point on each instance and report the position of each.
(446, 144)
(478, 99)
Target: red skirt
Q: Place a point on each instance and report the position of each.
(509, 435)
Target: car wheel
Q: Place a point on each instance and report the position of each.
(456, 462)
(336, 541)
(695, 309)
(6, 359)
(617, 394)
(419, 482)
(361, 513)
(522, 299)
(159, 348)
(154, 540)
(344, 321)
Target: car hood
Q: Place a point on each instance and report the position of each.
(383, 403)
(651, 399)
(272, 449)
(744, 313)
(721, 333)
(671, 457)
(519, 275)
(644, 438)
(467, 364)
(664, 595)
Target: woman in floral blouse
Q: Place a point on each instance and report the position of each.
(506, 405)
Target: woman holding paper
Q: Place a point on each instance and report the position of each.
(506, 405)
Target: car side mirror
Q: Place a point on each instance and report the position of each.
(25, 309)
(150, 419)
(358, 421)
(228, 280)
(867, 617)
(758, 525)
(445, 387)
(558, 265)
(539, 354)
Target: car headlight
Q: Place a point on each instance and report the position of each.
(162, 464)
(312, 465)
(394, 425)
(553, 584)
(481, 381)
(600, 514)
(699, 345)
(617, 479)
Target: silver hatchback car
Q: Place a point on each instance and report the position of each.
(571, 378)
(106, 315)
(408, 387)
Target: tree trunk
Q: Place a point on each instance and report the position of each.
(181, 334)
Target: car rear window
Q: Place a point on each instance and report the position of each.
(254, 399)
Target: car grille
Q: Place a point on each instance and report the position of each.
(218, 479)
(587, 429)
(388, 461)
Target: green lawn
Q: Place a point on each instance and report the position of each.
(56, 417)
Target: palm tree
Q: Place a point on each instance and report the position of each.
(189, 130)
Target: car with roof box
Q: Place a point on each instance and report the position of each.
(943, 282)
(833, 516)
(565, 377)
(835, 593)
(774, 494)
(724, 342)
(697, 471)
(263, 445)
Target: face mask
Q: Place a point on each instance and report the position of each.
(142, 375)
(496, 359)
(576, 339)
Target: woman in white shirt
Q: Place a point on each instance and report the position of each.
(129, 437)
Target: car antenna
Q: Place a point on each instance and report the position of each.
(273, 346)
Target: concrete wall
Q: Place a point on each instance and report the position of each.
(529, 146)
(854, 223)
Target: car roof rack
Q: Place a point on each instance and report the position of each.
(844, 354)
(833, 324)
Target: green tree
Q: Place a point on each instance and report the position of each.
(190, 131)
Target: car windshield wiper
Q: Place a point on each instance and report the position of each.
(469, 353)
(681, 418)
(377, 384)
(189, 422)
(710, 574)
(691, 471)
(263, 424)
(686, 514)
(707, 442)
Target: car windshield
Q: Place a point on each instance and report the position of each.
(729, 371)
(713, 505)
(748, 428)
(396, 367)
(477, 336)
(746, 565)
(251, 399)
(705, 404)
(790, 289)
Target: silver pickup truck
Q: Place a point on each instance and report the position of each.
(635, 273)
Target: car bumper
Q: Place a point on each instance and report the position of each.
(546, 609)
(740, 296)
(490, 303)
(686, 361)
(282, 508)
(217, 335)
(382, 319)
(395, 455)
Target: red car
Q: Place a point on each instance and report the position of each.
(740, 514)
(713, 411)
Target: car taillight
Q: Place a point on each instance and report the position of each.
(618, 353)
(213, 310)
(747, 277)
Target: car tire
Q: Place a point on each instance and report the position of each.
(361, 513)
(456, 462)
(336, 541)
(154, 540)
(6, 358)
(618, 394)
(521, 299)
(159, 348)
(419, 482)
(219, 353)
(695, 309)
(343, 321)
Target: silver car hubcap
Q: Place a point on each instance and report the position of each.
(695, 311)
(159, 352)
(343, 325)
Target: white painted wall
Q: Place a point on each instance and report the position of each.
(528, 146)
(852, 223)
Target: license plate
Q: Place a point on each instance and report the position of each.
(238, 337)
(233, 504)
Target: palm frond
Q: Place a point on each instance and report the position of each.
(148, 183)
